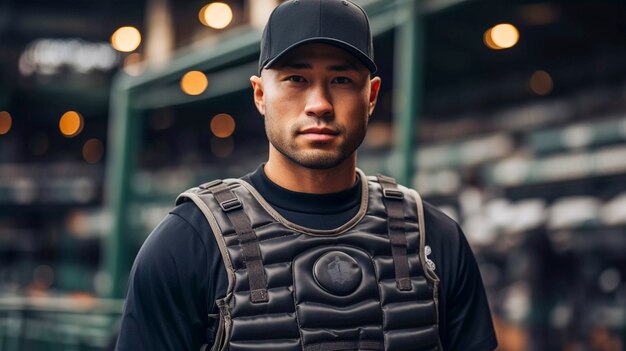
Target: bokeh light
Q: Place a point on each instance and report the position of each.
(501, 36)
(222, 125)
(133, 64)
(505, 35)
(541, 83)
(216, 15)
(5, 122)
(93, 149)
(71, 124)
(126, 39)
(194, 83)
(488, 41)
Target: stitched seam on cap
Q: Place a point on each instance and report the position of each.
(269, 37)
(319, 25)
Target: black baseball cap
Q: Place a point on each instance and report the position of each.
(341, 23)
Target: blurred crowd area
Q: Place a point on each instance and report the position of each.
(110, 109)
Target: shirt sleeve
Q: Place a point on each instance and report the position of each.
(468, 317)
(464, 317)
(165, 307)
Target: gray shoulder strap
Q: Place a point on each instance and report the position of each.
(233, 208)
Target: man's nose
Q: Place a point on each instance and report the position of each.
(318, 103)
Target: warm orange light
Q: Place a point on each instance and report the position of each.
(503, 36)
(71, 124)
(5, 122)
(126, 39)
(93, 150)
(216, 15)
(133, 65)
(541, 83)
(194, 83)
(488, 41)
(223, 125)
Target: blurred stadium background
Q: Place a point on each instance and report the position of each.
(508, 115)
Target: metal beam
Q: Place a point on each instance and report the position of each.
(221, 82)
(124, 134)
(408, 85)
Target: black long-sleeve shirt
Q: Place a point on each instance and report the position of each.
(179, 273)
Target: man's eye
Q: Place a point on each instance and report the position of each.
(296, 79)
(342, 80)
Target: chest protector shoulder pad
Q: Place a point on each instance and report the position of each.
(362, 286)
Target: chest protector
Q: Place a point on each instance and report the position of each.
(362, 286)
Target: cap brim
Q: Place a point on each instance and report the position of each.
(371, 66)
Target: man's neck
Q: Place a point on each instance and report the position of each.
(294, 177)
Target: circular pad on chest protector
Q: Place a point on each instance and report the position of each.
(337, 273)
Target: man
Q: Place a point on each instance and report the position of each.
(306, 252)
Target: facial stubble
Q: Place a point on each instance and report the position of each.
(284, 141)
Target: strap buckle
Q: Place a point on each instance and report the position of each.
(393, 194)
(230, 205)
(210, 184)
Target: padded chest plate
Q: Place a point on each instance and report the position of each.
(294, 288)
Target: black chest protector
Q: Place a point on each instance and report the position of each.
(362, 286)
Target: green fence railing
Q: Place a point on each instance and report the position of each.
(58, 323)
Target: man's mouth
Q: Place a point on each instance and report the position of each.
(319, 133)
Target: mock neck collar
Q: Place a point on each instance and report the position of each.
(305, 202)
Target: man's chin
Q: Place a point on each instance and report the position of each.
(318, 159)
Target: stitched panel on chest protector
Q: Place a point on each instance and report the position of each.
(406, 339)
(278, 274)
(282, 249)
(422, 291)
(384, 265)
(283, 326)
(373, 332)
(357, 313)
(265, 345)
(403, 315)
(280, 301)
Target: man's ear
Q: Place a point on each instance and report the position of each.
(374, 89)
(257, 86)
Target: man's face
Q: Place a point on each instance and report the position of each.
(316, 102)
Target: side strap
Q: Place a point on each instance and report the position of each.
(248, 241)
(427, 270)
(393, 199)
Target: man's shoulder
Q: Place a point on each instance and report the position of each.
(180, 224)
(434, 216)
(189, 213)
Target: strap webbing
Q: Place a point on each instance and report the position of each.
(393, 198)
(248, 242)
(345, 346)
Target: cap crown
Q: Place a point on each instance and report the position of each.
(337, 22)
